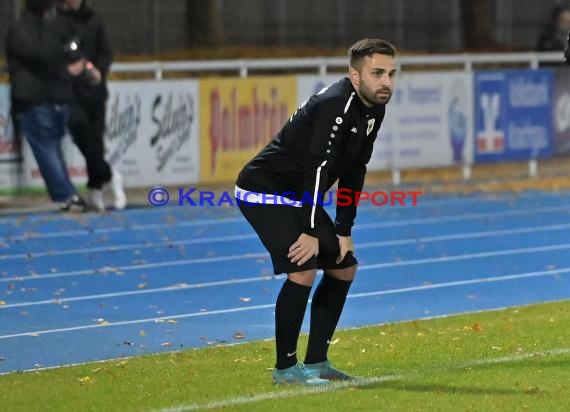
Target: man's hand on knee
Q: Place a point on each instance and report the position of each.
(303, 249)
(346, 245)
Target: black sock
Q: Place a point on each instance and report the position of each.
(326, 308)
(289, 313)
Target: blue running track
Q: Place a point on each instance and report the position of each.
(75, 289)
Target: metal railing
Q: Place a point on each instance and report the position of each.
(324, 65)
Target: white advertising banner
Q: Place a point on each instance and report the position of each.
(152, 134)
(428, 122)
(9, 161)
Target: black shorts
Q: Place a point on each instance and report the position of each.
(279, 226)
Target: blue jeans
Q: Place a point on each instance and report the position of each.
(44, 127)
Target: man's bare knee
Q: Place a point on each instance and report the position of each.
(343, 274)
(305, 278)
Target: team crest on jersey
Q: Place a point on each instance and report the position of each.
(370, 126)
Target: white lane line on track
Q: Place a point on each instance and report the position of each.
(132, 246)
(111, 270)
(555, 272)
(184, 286)
(249, 236)
(395, 223)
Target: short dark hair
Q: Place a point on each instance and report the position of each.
(368, 47)
(38, 7)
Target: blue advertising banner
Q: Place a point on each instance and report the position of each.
(513, 115)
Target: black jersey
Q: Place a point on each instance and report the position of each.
(330, 137)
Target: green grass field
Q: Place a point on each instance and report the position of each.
(516, 359)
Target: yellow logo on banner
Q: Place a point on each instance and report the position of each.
(237, 118)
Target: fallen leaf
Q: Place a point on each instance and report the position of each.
(166, 344)
(532, 390)
(239, 335)
(477, 328)
(142, 333)
(84, 380)
(245, 299)
(141, 285)
(2, 303)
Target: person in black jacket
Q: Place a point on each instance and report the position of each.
(42, 57)
(281, 192)
(554, 34)
(87, 111)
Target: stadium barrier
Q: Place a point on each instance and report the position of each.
(447, 110)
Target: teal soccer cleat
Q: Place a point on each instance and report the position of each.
(325, 370)
(296, 375)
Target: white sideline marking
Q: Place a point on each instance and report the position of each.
(300, 391)
(267, 306)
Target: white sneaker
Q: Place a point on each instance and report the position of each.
(119, 195)
(96, 199)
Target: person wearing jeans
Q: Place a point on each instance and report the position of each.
(44, 125)
(41, 61)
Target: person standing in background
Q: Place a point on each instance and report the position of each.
(87, 111)
(554, 34)
(42, 56)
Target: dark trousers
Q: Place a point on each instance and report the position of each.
(87, 126)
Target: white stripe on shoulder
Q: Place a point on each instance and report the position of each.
(348, 103)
